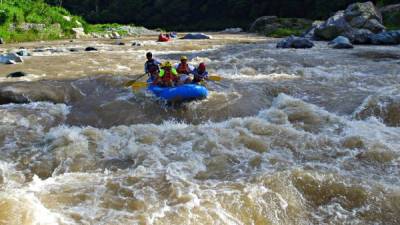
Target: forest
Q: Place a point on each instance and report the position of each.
(199, 14)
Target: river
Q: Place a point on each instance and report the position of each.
(287, 137)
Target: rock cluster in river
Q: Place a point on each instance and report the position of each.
(357, 19)
(295, 42)
(361, 23)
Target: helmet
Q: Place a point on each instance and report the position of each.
(183, 58)
(149, 55)
(202, 67)
(167, 64)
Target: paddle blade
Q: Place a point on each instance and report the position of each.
(129, 83)
(215, 78)
(138, 85)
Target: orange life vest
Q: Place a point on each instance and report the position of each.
(183, 68)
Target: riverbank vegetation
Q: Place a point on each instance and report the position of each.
(28, 20)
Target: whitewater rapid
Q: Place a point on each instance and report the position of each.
(294, 137)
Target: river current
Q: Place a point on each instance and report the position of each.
(287, 137)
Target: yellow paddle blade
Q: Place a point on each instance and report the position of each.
(129, 83)
(215, 78)
(139, 85)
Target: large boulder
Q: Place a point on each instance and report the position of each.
(269, 25)
(385, 38)
(261, 24)
(358, 16)
(196, 36)
(295, 42)
(341, 43)
(360, 36)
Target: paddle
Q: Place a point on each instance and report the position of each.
(139, 84)
(131, 82)
(216, 78)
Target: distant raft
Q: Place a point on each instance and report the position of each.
(183, 93)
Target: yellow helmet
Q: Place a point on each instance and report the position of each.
(167, 64)
(183, 58)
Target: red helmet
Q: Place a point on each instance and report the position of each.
(202, 67)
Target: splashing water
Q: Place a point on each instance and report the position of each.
(299, 137)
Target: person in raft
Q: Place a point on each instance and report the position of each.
(184, 69)
(199, 74)
(167, 76)
(151, 67)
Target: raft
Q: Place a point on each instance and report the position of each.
(186, 92)
(163, 38)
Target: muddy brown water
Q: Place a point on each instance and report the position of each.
(294, 136)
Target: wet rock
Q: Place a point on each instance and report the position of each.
(50, 91)
(23, 52)
(10, 58)
(295, 42)
(17, 74)
(341, 43)
(309, 33)
(115, 35)
(136, 44)
(79, 32)
(361, 36)
(347, 23)
(11, 62)
(89, 49)
(385, 38)
(74, 49)
(119, 43)
(196, 36)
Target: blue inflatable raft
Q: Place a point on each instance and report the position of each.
(186, 92)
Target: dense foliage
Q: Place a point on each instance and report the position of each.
(17, 15)
(199, 14)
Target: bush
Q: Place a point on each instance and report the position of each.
(3, 16)
(284, 32)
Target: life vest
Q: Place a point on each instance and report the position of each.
(152, 66)
(168, 75)
(183, 68)
(199, 76)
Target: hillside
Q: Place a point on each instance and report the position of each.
(201, 14)
(28, 20)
